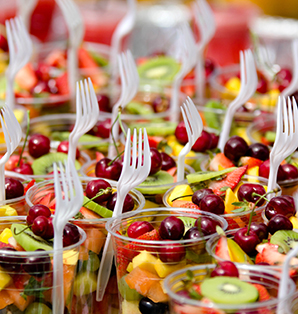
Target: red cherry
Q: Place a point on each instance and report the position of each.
(279, 222)
(214, 140)
(167, 161)
(138, 228)
(235, 148)
(212, 203)
(181, 134)
(209, 67)
(103, 103)
(24, 169)
(156, 160)
(203, 142)
(127, 206)
(104, 169)
(39, 225)
(12, 162)
(3, 43)
(261, 230)
(102, 129)
(279, 205)
(93, 188)
(264, 170)
(37, 210)
(39, 145)
(247, 243)
(291, 172)
(71, 235)
(262, 86)
(225, 268)
(13, 188)
(171, 228)
(161, 104)
(171, 253)
(63, 148)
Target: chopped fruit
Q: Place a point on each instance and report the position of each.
(164, 269)
(263, 292)
(219, 162)
(5, 280)
(5, 235)
(184, 204)
(294, 221)
(9, 211)
(182, 192)
(62, 84)
(26, 77)
(221, 249)
(229, 200)
(130, 307)
(259, 258)
(5, 299)
(250, 162)
(145, 260)
(156, 293)
(237, 254)
(254, 171)
(154, 141)
(231, 180)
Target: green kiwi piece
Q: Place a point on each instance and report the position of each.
(99, 59)
(206, 175)
(270, 136)
(154, 183)
(126, 292)
(44, 164)
(98, 209)
(139, 108)
(229, 290)
(28, 240)
(213, 110)
(285, 239)
(157, 128)
(188, 222)
(161, 68)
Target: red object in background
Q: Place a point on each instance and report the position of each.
(42, 18)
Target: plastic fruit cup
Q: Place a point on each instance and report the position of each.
(90, 252)
(247, 273)
(236, 220)
(151, 192)
(21, 288)
(211, 246)
(220, 76)
(58, 126)
(140, 272)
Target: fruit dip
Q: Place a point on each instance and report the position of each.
(26, 264)
(228, 193)
(256, 157)
(226, 288)
(92, 219)
(149, 245)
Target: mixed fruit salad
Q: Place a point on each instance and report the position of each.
(149, 245)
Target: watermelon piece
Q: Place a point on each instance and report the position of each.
(231, 180)
(219, 162)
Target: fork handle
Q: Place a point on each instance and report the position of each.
(2, 183)
(200, 76)
(72, 66)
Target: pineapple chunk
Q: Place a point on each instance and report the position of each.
(294, 221)
(9, 211)
(5, 280)
(164, 270)
(181, 190)
(230, 198)
(5, 235)
(129, 267)
(145, 261)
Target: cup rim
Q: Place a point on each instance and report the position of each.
(36, 253)
(253, 305)
(115, 221)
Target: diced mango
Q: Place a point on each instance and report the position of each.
(233, 84)
(145, 260)
(5, 280)
(5, 235)
(129, 267)
(9, 211)
(294, 221)
(181, 190)
(163, 269)
(270, 99)
(237, 254)
(253, 171)
(70, 257)
(229, 200)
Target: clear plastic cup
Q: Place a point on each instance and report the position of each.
(27, 276)
(235, 220)
(84, 299)
(247, 273)
(140, 270)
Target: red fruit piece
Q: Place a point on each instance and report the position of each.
(62, 84)
(221, 249)
(189, 205)
(154, 141)
(220, 161)
(263, 293)
(259, 258)
(231, 180)
(28, 186)
(250, 161)
(2, 244)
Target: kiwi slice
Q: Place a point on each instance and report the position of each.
(212, 116)
(154, 183)
(270, 136)
(229, 290)
(44, 164)
(161, 68)
(126, 292)
(188, 223)
(99, 59)
(285, 239)
(139, 108)
(157, 128)
(207, 175)
(28, 240)
(98, 209)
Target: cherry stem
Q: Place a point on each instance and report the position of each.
(115, 158)
(255, 205)
(25, 141)
(99, 193)
(17, 233)
(113, 138)
(177, 198)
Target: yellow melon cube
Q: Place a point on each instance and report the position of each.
(163, 269)
(5, 280)
(5, 235)
(145, 261)
(9, 211)
(179, 191)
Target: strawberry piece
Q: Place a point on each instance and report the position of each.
(189, 205)
(2, 244)
(85, 60)
(219, 162)
(250, 161)
(29, 185)
(154, 141)
(263, 293)
(259, 258)
(231, 180)
(221, 249)
(26, 77)
(62, 84)
(56, 58)
(273, 257)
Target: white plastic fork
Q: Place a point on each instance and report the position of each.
(12, 135)
(292, 87)
(194, 126)
(87, 113)
(75, 26)
(20, 50)
(69, 200)
(129, 87)
(25, 9)
(249, 81)
(136, 168)
(123, 28)
(286, 140)
(188, 56)
(205, 21)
